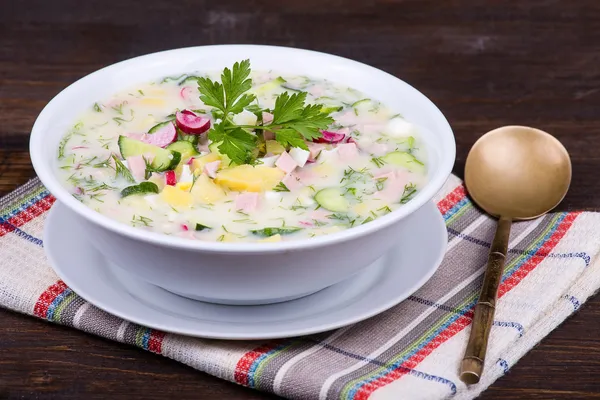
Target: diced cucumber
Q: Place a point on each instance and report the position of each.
(193, 139)
(361, 106)
(158, 127)
(142, 188)
(269, 86)
(331, 109)
(184, 147)
(225, 160)
(404, 159)
(332, 199)
(189, 78)
(163, 159)
(267, 232)
(200, 227)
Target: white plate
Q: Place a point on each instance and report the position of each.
(382, 285)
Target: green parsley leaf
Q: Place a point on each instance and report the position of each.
(291, 113)
(288, 108)
(236, 143)
(228, 96)
(211, 93)
(289, 137)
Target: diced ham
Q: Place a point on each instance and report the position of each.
(320, 215)
(246, 202)
(314, 149)
(384, 173)
(371, 129)
(137, 166)
(393, 186)
(268, 135)
(347, 151)
(211, 168)
(316, 90)
(286, 163)
(134, 135)
(292, 182)
(267, 118)
(306, 176)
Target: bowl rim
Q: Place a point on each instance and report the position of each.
(51, 181)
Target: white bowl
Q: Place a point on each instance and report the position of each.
(241, 273)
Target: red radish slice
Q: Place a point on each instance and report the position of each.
(170, 178)
(191, 123)
(162, 137)
(184, 227)
(186, 92)
(351, 140)
(330, 137)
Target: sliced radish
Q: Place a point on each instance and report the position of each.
(186, 92)
(351, 140)
(184, 227)
(191, 123)
(330, 137)
(162, 137)
(170, 178)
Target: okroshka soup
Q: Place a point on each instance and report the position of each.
(242, 155)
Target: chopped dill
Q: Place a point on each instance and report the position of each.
(119, 108)
(121, 170)
(379, 183)
(141, 220)
(409, 190)
(281, 188)
(97, 107)
(385, 209)
(378, 161)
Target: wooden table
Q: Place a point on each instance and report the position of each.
(484, 63)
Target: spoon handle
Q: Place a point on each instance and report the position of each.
(483, 318)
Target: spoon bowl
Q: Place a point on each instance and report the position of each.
(517, 172)
(513, 173)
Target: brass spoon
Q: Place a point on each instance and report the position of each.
(513, 173)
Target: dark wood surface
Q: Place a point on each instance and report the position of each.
(484, 63)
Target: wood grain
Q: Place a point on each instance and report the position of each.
(485, 64)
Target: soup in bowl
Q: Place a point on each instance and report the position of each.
(242, 174)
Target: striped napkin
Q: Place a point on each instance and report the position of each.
(411, 351)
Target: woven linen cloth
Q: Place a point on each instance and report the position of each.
(411, 351)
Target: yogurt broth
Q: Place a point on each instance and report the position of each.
(290, 157)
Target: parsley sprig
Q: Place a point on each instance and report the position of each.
(293, 122)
